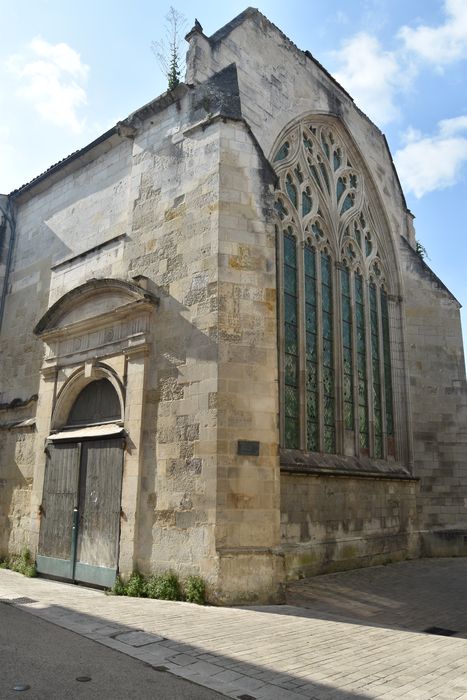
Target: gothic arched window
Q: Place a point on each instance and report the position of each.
(334, 280)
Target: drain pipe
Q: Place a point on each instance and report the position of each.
(7, 217)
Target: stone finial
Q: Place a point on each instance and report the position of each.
(196, 29)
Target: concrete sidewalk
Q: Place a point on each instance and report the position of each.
(277, 652)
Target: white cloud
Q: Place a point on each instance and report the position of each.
(371, 75)
(51, 78)
(443, 44)
(428, 163)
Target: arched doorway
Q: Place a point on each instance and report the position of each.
(80, 511)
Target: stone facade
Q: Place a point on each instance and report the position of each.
(150, 259)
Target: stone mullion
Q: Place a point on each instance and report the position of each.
(382, 378)
(301, 342)
(281, 332)
(338, 360)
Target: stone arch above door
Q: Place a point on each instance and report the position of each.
(74, 387)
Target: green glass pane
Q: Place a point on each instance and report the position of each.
(312, 443)
(291, 401)
(378, 447)
(337, 159)
(310, 264)
(290, 369)
(310, 317)
(328, 410)
(346, 309)
(325, 269)
(362, 393)
(358, 289)
(290, 251)
(348, 204)
(291, 190)
(347, 334)
(280, 209)
(347, 359)
(368, 246)
(290, 337)
(307, 202)
(340, 188)
(348, 415)
(325, 145)
(326, 298)
(311, 376)
(363, 440)
(329, 440)
(327, 353)
(345, 282)
(359, 316)
(290, 280)
(311, 347)
(311, 407)
(291, 433)
(283, 152)
(327, 325)
(310, 291)
(361, 341)
(328, 383)
(290, 304)
(347, 387)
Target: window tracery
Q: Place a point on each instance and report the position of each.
(337, 387)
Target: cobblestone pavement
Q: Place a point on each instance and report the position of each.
(334, 649)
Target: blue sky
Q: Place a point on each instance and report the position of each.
(69, 71)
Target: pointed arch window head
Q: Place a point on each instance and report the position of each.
(336, 387)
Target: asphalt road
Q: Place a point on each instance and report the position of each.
(49, 659)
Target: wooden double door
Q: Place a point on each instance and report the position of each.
(80, 521)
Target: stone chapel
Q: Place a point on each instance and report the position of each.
(221, 353)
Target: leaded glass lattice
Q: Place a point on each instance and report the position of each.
(311, 389)
(387, 364)
(375, 364)
(291, 391)
(329, 430)
(347, 323)
(361, 364)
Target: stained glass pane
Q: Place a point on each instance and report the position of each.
(291, 401)
(283, 152)
(387, 365)
(311, 387)
(290, 254)
(280, 208)
(375, 353)
(290, 368)
(290, 333)
(290, 282)
(291, 433)
(362, 392)
(348, 204)
(340, 188)
(290, 304)
(291, 392)
(306, 202)
(337, 159)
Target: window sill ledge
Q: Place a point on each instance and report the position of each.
(297, 462)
